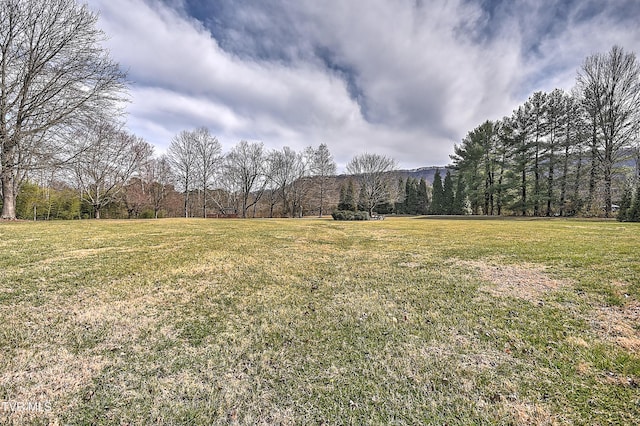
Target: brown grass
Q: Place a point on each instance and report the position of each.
(523, 281)
(620, 325)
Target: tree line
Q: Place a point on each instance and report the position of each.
(247, 175)
(560, 153)
(121, 177)
(65, 152)
(412, 196)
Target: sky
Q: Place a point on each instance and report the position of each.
(402, 78)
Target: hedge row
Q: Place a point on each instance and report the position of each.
(350, 215)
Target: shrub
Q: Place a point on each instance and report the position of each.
(350, 215)
(147, 214)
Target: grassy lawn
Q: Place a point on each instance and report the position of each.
(402, 321)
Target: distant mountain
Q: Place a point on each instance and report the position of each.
(423, 172)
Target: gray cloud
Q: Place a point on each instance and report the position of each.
(402, 78)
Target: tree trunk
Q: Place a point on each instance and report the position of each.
(523, 190)
(593, 171)
(499, 192)
(244, 206)
(204, 203)
(8, 195)
(8, 178)
(576, 187)
(536, 182)
(637, 175)
(550, 182)
(563, 183)
(607, 177)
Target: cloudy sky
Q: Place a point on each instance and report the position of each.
(403, 78)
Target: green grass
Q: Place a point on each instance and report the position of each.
(402, 321)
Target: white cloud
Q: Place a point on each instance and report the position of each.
(360, 75)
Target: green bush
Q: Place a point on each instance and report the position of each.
(350, 215)
(147, 214)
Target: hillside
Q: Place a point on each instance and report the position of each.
(423, 172)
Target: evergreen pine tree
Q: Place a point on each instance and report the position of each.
(460, 196)
(447, 194)
(399, 206)
(363, 204)
(625, 204)
(341, 203)
(633, 214)
(423, 197)
(347, 197)
(350, 197)
(411, 196)
(437, 194)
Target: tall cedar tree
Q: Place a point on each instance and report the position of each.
(460, 197)
(343, 190)
(633, 214)
(411, 196)
(437, 195)
(423, 197)
(447, 194)
(399, 207)
(625, 204)
(363, 202)
(347, 197)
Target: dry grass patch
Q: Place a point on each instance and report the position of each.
(620, 325)
(410, 264)
(531, 414)
(523, 281)
(62, 347)
(531, 282)
(54, 375)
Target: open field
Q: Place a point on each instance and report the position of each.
(402, 321)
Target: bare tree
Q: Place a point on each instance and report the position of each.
(372, 172)
(108, 159)
(158, 179)
(244, 169)
(136, 194)
(611, 85)
(284, 167)
(272, 189)
(183, 156)
(54, 75)
(225, 196)
(323, 167)
(300, 184)
(208, 161)
(287, 174)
